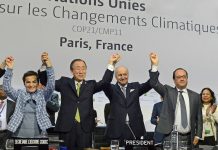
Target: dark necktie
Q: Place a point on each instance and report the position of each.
(184, 119)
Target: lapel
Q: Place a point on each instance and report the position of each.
(191, 102)
(73, 86)
(128, 88)
(83, 87)
(9, 108)
(174, 98)
(127, 91)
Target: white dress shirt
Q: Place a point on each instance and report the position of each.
(178, 113)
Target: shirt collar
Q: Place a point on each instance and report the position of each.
(125, 86)
(78, 82)
(184, 90)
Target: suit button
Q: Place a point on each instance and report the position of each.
(78, 102)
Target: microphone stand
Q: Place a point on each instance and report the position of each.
(127, 123)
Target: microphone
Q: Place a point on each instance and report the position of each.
(127, 123)
(127, 119)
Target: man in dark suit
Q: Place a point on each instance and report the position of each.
(6, 110)
(75, 118)
(155, 118)
(52, 106)
(125, 120)
(181, 106)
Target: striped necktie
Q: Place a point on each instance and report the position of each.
(123, 89)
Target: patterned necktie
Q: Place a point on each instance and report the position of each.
(77, 116)
(184, 119)
(78, 88)
(123, 89)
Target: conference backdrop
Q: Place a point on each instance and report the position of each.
(184, 33)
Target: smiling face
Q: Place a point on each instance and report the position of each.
(31, 83)
(207, 96)
(122, 75)
(78, 70)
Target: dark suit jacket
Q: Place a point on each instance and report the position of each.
(167, 116)
(95, 123)
(2, 72)
(52, 106)
(70, 101)
(107, 108)
(10, 109)
(156, 112)
(120, 106)
(158, 137)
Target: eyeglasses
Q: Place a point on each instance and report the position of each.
(179, 77)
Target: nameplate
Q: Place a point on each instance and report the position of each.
(139, 143)
(31, 143)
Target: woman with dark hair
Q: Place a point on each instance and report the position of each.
(209, 119)
(30, 118)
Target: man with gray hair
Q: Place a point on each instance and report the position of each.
(125, 120)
